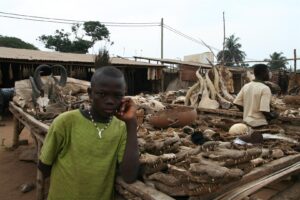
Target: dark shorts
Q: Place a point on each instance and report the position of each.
(6, 95)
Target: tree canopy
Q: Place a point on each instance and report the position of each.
(14, 42)
(233, 55)
(85, 36)
(277, 61)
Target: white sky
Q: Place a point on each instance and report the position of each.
(264, 26)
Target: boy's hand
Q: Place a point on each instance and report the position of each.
(127, 111)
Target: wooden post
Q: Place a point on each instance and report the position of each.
(223, 56)
(162, 38)
(295, 61)
(40, 182)
(71, 70)
(162, 80)
(18, 127)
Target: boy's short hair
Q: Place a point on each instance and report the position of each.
(110, 71)
(260, 69)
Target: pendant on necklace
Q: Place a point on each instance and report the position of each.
(100, 133)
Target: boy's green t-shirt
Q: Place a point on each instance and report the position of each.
(83, 165)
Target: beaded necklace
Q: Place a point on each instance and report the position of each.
(100, 131)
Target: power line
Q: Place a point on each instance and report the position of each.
(48, 18)
(189, 37)
(108, 24)
(39, 20)
(68, 21)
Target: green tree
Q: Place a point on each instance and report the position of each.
(277, 61)
(91, 32)
(233, 55)
(14, 42)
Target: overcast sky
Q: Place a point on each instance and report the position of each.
(263, 26)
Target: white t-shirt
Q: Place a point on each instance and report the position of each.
(255, 97)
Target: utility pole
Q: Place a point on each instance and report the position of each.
(162, 38)
(223, 56)
(295, 61)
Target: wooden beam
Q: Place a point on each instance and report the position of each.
(141, 190)
(295, 61)
(257, 173)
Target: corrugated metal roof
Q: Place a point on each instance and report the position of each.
(35, 55)
(192, 64)
(173, 61)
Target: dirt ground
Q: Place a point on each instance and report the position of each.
(14, 173)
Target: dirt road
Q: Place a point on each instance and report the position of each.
(13, 172)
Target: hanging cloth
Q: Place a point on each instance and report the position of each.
(0, 76)
(10, 75)
(148, 73)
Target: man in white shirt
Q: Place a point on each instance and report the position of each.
(255, 97)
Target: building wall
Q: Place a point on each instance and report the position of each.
(200, 58)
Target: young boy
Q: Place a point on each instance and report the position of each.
(255, 97)
(84, 147)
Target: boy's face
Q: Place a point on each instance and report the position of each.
(106, 95)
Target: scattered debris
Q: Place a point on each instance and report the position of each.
(27, 187)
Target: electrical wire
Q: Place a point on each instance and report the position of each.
(39, 20)
(189, 37)
(109, 24)
(69, 21)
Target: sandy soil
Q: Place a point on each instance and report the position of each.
(13, 172)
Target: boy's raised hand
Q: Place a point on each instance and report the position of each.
(127, 111)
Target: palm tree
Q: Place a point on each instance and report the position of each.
(232, 53)
(277, 61)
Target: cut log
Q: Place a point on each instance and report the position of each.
(145, 192)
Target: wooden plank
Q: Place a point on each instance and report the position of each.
(40, 180)
(256, 174)
(18, 127)
(141, 190)
(221, 112)
(27, 119)
(249, 188)
(291, 192)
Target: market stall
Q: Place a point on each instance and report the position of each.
(187, 152)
